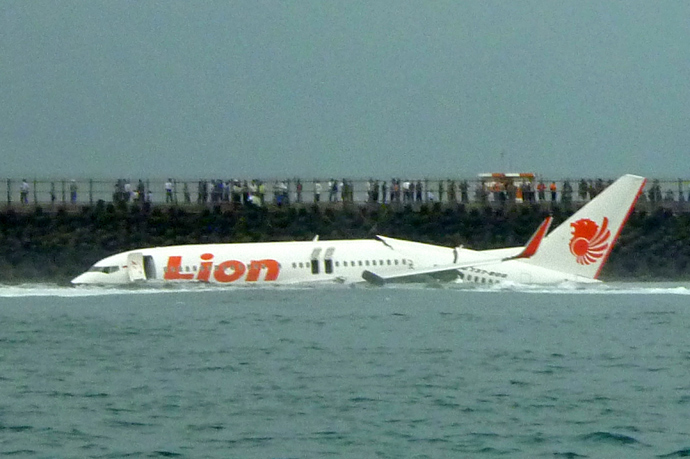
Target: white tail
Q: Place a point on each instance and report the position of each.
(582, 244)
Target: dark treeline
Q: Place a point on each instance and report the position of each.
(37, 246)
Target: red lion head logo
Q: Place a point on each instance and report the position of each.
(588, 243)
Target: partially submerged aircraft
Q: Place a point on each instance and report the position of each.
(575, 251)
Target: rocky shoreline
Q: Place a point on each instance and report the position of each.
(54, 245)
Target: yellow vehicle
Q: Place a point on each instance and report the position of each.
(511, 186)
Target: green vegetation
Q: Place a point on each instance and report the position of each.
(38, 246)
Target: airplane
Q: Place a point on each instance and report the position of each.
(575, 251)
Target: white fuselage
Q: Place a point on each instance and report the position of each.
(309, 262)
(575, 251)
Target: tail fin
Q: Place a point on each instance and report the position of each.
(581, 245)
(533, 244)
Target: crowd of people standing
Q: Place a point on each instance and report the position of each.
(393, 191)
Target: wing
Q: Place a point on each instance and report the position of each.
(447, 273)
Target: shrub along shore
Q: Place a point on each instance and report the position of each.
(40, 245)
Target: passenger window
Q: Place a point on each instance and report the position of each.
(360, 262)
(396, 261)
(373, 262)
(366, 262)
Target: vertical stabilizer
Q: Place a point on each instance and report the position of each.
(582, 243)
(535, 241)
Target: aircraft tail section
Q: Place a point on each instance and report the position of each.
(535, 241)
(581, 245)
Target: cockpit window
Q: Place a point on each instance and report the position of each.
(104, 269)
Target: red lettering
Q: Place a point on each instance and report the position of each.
(227, 271)
(221, 275)
(174, 270)
(272, 270)
(205, 268)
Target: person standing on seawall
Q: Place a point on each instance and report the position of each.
(141, 191)
(298, 188)
(464, 195)
(541, 191)
(317, 191)
(24, 192)
(553, 190)
(168, 191)
(332, 190)
(73, 192)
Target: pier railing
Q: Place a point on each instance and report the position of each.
(178, 192)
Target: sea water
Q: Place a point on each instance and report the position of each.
(341, 371)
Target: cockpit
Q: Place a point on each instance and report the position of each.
(103, 269)
(111, 270)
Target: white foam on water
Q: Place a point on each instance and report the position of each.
(567, 288)
(613, 288)
(53, 290)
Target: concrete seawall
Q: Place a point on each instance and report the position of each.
(54, 244)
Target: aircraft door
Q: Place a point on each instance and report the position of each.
(135, 267)
(315, 261)
(328, 260)
(149, 267)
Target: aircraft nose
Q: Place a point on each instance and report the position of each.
(80, 279)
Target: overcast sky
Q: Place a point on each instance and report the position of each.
(356, 88)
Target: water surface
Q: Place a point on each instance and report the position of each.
(507, 371)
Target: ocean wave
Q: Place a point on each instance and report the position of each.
(609, 437)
